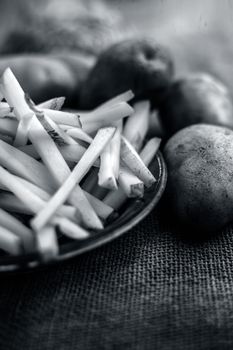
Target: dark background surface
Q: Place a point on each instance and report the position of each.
(150, 289)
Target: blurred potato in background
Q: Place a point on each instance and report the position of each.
(198, 33)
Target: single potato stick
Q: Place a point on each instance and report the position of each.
(106, 176)
(100, 141)
(47, 244)
(30, 151)
(150, 149)
(124, 97)
(60, 171)
(7, 139)
(4, 111)
(111, 114)
(62, 117)
(79, 134)
(70, 229)
(136, 126)
(1, 95)
(131, 184)
(15, 97)
(132, 159)
(92, 127)
(10, 242)
(5, 105)
(116, 199)
(25, 166)
(115, 145)
(21, 136)
(54, 103)
(12, 183)
(91, 180)
(102, 209)
(8, 126)
(12, 224)
(55, 132)
(12, 204)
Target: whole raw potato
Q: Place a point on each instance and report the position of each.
(141, 65)
(194, 99)
(199, 191)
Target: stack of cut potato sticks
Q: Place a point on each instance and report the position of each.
(68, 170)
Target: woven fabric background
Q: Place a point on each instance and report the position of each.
(149, 289)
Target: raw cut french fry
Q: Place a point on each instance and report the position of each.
(24, 166)
(74, 153)
(91, 180)
(9, 242)
(131, 184)
(12, 204)
(15, 226)
(21, 136)
(136, 126)
(48, 152)
(7, 139)
(70, 229)
(108, 115)
(15, 97)
(4, 111)
(12, 183)
(106, 176)
(1, 95)
(115, 145)
(92, 127)
(30, 151)
(14, 94)
(62, 117)
(47, 245)
(99, 192)
(100, 141)
(55, 132)
(124, 97)
(54, 103)
(60, 171)
(30, 186)
(102, 209)
(132, 159)
(71, 153)
(4, 105)
(116, 199)
(155, 125)
(8, 126)
(150, 149)
(66, 127)
(79, 134)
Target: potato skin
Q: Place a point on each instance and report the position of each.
(137, 64)
(197, 98)
(48, 76)
(199, 191)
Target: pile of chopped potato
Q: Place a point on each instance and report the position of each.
(45, 154)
